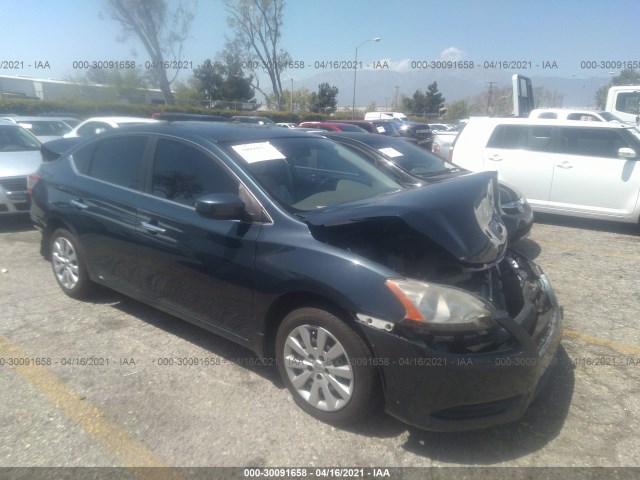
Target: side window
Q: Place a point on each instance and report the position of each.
(552, 115)
(521, 137)
(539, 139)
(592, 142)
(509, 136)
(585, 117)
(115, 160)
(182, 173)
(628, 102)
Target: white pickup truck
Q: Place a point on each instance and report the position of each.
(624, 102)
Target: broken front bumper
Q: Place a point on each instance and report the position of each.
(435, 389)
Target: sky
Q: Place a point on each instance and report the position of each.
(568, 37)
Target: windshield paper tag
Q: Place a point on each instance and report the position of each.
(381, 129)
(258, 152)
(390, 152)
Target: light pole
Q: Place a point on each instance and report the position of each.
(355, 72)
(291, 78)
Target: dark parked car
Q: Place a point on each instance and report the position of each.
(332, 127)
(180, 116)
(382, 127)
(420, 132)
(425, 167)
(252, 119)
(301, 250)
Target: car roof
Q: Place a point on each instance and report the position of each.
(546, 122)
(584, 111)
(120, 119)
(39, 119)
(216, 131)
(368, 138)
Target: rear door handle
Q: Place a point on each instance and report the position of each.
(79, 204)
(152, 228)
(565, 165)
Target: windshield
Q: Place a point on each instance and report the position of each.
(305, 174)
(387, 128)
(17, 139)
(415, 160)
(46, 128)
(345, 127)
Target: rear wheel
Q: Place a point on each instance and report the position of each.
(68, 266)
(326, 366)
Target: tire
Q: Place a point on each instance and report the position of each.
(335, 380)
(68, 267)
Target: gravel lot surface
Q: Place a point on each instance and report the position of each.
(126, 409)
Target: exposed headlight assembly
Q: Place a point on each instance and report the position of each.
(442, 308)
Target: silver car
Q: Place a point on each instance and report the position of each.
(19, 157)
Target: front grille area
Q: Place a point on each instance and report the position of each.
(14, 185)
(16, 199)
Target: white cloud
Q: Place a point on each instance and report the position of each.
(452, 53)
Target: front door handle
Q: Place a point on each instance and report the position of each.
(495, 158)
(152, 228)
(565, 165)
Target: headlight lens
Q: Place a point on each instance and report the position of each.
(442, 308)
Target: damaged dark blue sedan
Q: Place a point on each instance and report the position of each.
(299, 249)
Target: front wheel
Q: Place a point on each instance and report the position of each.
(326, 366)
(68, 267)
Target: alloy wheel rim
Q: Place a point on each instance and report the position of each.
(318, 368)
(65, 263)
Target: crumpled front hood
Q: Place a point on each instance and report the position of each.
(458, 214)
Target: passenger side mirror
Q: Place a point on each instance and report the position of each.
(626, 152)
(220, 206)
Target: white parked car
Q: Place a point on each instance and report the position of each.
(574, 114)
(95, 125)
(583, 169)
(19, 157)
(44, 128)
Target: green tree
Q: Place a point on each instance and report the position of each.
(189, 92)
(626, 77)
(162, 33)
(457, 111)
(208, 80)
(222, 82)
(326, 99)
(434, 100)
(416, 104)
(257, 28)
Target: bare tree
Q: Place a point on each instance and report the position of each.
(257, 27)
(162, 33)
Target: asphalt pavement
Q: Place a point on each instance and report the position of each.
(90, 384)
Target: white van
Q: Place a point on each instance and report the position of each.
(386, 116)
(624, 102)
(582, 169)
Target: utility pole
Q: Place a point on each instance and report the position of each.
(396, 101)
(489, 97)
